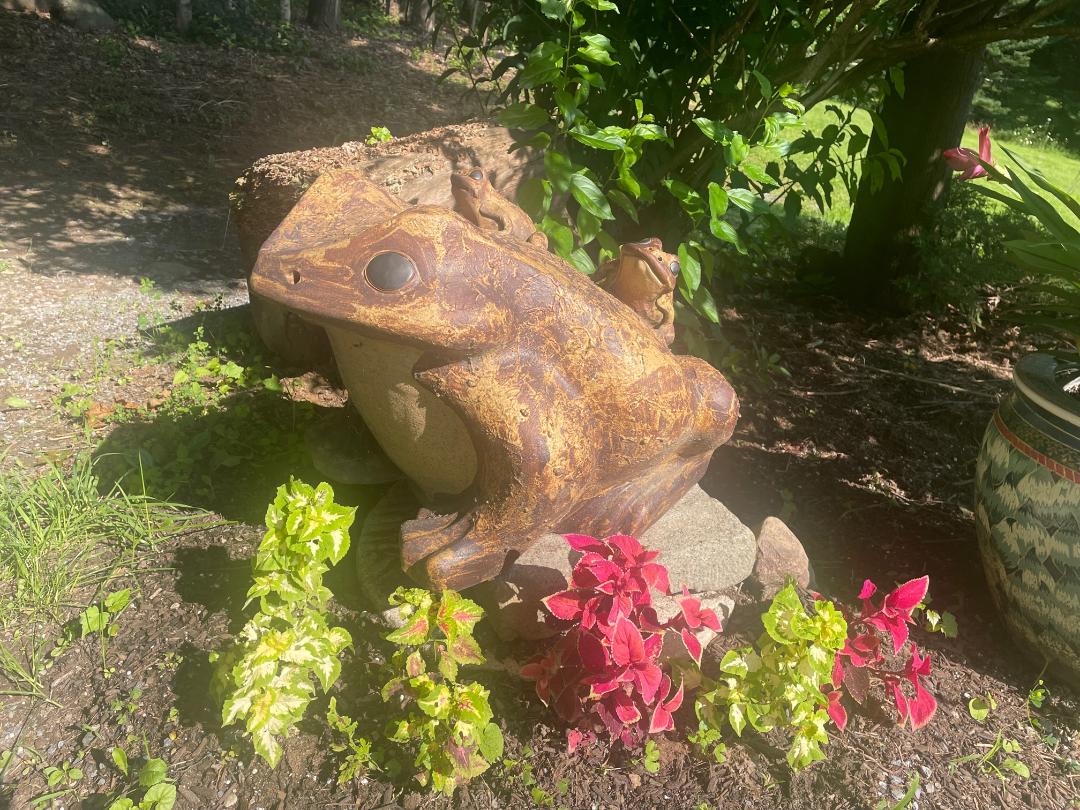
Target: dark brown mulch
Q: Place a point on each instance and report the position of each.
(906, 520)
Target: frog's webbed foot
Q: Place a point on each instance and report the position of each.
(428, 533)
(461, 564)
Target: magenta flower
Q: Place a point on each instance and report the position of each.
(967, 160)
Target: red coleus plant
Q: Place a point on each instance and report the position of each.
(603, 673)
(861, 658)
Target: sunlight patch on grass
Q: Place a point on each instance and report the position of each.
(1059, 167)
(62, 543)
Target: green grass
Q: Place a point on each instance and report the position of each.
(816, 119)
(1059, 166)
(62, 543)
(963, 260)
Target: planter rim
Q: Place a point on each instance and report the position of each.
(1034, 377)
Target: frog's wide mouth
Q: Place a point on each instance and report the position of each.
(663, 267)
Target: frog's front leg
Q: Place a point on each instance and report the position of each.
(523, 485)
(428, 532)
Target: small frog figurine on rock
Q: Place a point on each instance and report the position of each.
(519, 395)
(477, 200)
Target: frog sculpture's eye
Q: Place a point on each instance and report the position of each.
(476, 174)
(675, 267)
(388, 272)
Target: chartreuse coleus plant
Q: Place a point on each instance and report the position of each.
(604, 673)
(266, 677)
(796, 676)
(448, 721)
(780, 684)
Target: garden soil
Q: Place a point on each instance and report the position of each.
(116, 158)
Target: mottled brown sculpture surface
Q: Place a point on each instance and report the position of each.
(643, 278)
(578, 416)
(477, 201)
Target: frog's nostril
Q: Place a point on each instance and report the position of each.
(295, 276)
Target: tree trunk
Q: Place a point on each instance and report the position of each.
(325, 14)
(183, 15)
(420, 16)
(286, 11)
(470, 11)
(881, 245)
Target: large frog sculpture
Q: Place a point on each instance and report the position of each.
(518, 394)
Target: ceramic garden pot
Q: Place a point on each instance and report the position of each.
(1027, 513)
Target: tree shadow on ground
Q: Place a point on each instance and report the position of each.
(190, 687)
(211, 578)
(868, 452)
(117, 154)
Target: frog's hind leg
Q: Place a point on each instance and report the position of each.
(522, 486)
(633, 506)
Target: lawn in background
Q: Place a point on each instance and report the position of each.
(1062, 168)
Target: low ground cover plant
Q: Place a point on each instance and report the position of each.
(207, 421)
(65, 543)
(265, 678)
(604, 673)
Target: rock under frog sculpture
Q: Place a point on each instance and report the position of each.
(520, 396)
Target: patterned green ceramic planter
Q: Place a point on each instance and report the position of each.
(1027, 512)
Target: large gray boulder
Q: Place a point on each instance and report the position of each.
(702, 544)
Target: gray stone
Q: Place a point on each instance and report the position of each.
(84, 15)
(703, 546)
(25, 5)
(780, 557)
